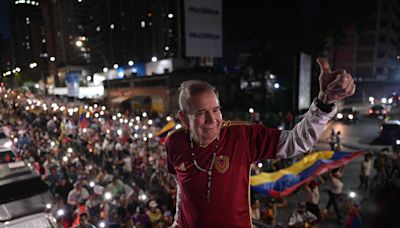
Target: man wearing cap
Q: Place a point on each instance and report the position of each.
(154, 213)
(210, 158)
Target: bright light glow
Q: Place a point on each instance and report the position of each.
(65, 158)
(350, 116)
(119, 115)
(166, 48)
(60, 212)
(154, 59)
(52, 59)
(108, 131)
(96, 115)
(137, 118)
(178, 126)
(103, 108)
(352, 194)
(168, 118)
(84, 130)
(260, 165)
(130, 124)
(145, 139)
(251, 110)
(119, 132)
(69, 150)
(143, 197)
(33, 65)
(144, 114)
(112, 26)
(150, 122)
(390, 100)
(107, 196)
(126, 121)
(92, 184)
(143, 24)
(79, 43)
(339, 116)
(398, 142)
(136, 127)
(7, 144)
(48, 206)
(18, 69)
(115, 66)
(89, 78)
(15, 140)
(384, 100)
(114, 117)
(121, 120)
(102, 224)
(170, 15)
(130, 63)
(371, 99)
(52, 143)
(276, 85)
(150, 135)
(101, 113)
(105, 69)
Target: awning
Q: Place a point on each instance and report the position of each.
(119, 100)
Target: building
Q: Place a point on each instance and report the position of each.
(28, 41)
(372, 55)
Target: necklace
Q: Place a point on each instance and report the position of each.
(208, 172)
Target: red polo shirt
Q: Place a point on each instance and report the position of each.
(239, 145)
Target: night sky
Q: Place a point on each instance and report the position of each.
(4, 26)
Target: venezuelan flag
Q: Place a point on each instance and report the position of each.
(162, 134)
(285, 181)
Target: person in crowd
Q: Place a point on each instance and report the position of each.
(335, 191)
(84, 221)
(365, 172)
(209, 155)
(313, 196)
(301, 217)
(77, 194)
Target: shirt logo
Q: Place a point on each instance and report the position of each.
(222, 163)
(181, 167)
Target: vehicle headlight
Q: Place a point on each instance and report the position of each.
(339, 115)
(350, 116)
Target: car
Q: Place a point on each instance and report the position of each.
(349, 115)
(389, 132)
(24, 196)
(377, 110)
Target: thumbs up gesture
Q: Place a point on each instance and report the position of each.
(334, 85)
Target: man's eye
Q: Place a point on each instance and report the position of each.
(201, 113)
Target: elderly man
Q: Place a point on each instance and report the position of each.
(210, 158)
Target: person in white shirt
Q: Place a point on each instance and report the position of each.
(366, 167)
(76, 195)
(313, 196)
(302, 217)
(335, 190)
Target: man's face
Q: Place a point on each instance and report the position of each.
(204, 118)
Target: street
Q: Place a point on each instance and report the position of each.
(355, 137)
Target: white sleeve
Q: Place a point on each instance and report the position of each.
(178, 204)
(305, 134)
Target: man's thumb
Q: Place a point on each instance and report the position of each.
(323, 65)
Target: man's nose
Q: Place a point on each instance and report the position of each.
(210, 117)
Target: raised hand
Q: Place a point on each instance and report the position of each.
(334, 85)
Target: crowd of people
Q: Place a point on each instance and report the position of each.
(106, 170)
(110, 168)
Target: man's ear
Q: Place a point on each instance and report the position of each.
(183, 118)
